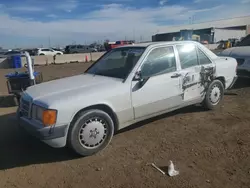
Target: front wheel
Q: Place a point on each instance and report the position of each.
(214, 95)
(90, 132)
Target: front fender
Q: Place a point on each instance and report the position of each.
(67, 112)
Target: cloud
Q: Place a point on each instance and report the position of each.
(162, 2)
(245, 1)
(207, 9)
(68, 5)
(26, 8)
(102, 24)
(52, 16)
(197, 1)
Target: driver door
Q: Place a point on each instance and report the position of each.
(160, 89)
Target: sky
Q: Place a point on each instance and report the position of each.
(33, 23)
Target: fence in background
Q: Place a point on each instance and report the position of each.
(46, 60)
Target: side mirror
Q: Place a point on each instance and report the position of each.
(137, 76)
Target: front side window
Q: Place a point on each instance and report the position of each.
(117, 63)
(159, 61)
(188, 56)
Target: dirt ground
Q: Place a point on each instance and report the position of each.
(210, 148)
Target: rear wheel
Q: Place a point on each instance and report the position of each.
(214, 95)
(90, 132)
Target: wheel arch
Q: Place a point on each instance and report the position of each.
(222, 79)
(104, 107)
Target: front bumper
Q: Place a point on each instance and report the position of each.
(233, 82)
(46, 133)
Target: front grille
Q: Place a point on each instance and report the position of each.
(25, 108)
(240, 61)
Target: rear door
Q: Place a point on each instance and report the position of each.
(207, 70)
(190, 72)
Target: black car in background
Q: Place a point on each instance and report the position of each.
(73, 49)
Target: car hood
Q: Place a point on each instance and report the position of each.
(237, 52)
(69, 86)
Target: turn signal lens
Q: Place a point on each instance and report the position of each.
(49, 117)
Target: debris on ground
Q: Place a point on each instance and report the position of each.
(171, 169)
(157, 168)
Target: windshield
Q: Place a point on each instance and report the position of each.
(117, 63)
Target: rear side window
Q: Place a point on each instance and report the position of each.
(45, 50)
(188, 56)
(203, 59)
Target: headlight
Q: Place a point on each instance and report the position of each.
(46, 116)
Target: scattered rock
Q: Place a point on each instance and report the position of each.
(240, 142)
(99, 169)
(208, 181)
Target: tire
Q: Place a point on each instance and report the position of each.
(58, 54)
(214, 95)
(86, 123)
(42, 54)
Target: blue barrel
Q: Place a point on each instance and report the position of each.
(16, 61)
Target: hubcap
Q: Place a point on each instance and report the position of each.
(215, 95)
(93, 132)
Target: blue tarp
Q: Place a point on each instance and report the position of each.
(20, 74)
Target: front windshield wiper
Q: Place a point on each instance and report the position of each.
(98, 73)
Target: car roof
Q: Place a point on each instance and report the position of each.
(154, 44)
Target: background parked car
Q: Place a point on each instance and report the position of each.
(32, 52)
(48, 51)
(59, 49)
(242, 56)
(73, 49)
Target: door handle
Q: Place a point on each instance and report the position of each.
(176, 75)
